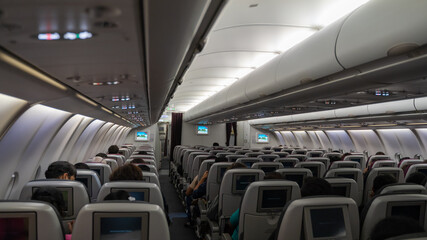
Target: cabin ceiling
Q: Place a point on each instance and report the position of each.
(131, 63)
(246, 35)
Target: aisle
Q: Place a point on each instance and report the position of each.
(176, 210)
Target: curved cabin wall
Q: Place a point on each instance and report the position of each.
(36, 137)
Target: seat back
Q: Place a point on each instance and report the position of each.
(249, 161)
(150, 178)
(214, 152)
(300, 151)
(404, 205)
(223, 154)
(346, 187)
(121, 220)
(242, 152)
(353, 173)
(253, 154)
(74, 193)
(120, 159)
(330, 154)
(233, 187)
(267, 166)
(287, 162)
(403, 188)
(103, 171)
(276, 149)
(196, 165)
(267, 151)
(326, 217)
(152, 168)
(205, 166)
(29, 220)
(356, 158)
(143, 156)
(141, 191)
(262, 205)
(216, 173)
(125, 152)
(90, 180)
(375, 158)
(397, 173)
(300, 157)
(288, 150)
(420, 167)
(187, 166)
(311, 154)
(112, 163)
(295, 174)
(345, 164)
(281, 154)
(317, 168)
(405, 162)
(268, 157)
(384, 163)
(234, 157)
(323, 160)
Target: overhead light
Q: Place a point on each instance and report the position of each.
(351, 126)
(107, 110)
(70, 36)
(29, 70)
(49, 36)
(382, 125)
(84, 35)
(425, 123)
(86, 99)
(97, 83)
(117, 115)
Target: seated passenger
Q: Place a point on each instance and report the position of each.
(113, 149)
(53, 196)
(393, 227)
(103, 155)
(126, 172)
(118, 195)
(314, 186)
(381, 181)
(61, 170)
(81, 165)
(417, 178)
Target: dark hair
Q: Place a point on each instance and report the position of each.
(417, 178)
(334, 158)
(81, 165)
(144, 167)
(103, 155)
(379, 153)
(273, 176)
(126, 172)
(143, 152)
(314, 186)
(59, 168)
(137, 160)
(393, 227)
(221, 159)
(52, 196)
(118, 195)
(113, 149)
(381, 181)
(343, 156)
(215, 144)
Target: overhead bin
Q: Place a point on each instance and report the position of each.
(352, 111)
(420, 104)
(381, 28)
(314, 116)
(392, 107)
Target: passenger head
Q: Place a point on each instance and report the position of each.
(273, 176)
(113, 149)
(103, 155)
(215, 144)
(61, 170)
(379, 153)
(118, 195)
(343, 156)
(381, 181)
(417, 178)
(51, 195)
(126, 172)
(137, 160)
(81, 165)
(143, 152)
(393, 227)
(314, 186)
(144, 167)
(334, 158)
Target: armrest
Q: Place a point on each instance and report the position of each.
(202, 206)
(213, 226)
(226, 236)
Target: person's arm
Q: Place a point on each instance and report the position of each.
(190, 188)
(202, 180)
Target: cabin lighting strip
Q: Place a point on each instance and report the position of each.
(86, 99)
(30, 70)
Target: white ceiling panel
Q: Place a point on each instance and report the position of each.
(247, 34)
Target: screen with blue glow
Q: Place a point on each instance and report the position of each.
(262, 138)
(141, 136)
(202, 130)
(139, 196)
(120, 228)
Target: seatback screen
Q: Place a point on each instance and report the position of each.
(268, 169)
(18, 226)
(327, 223)
(341, 191)
(414, 210)
(272, 199)
(221, 172)
(298, 178)
(346, 175)
(314, 170)
(117, 225)
(288, 164)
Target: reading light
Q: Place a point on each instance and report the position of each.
(86, 99)
(29, 70)
(382, 125)
(70, 36)
(416, 123)
(117, 115)
(351, 126)
(97, 83)
(49, 36)
(84, 35)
